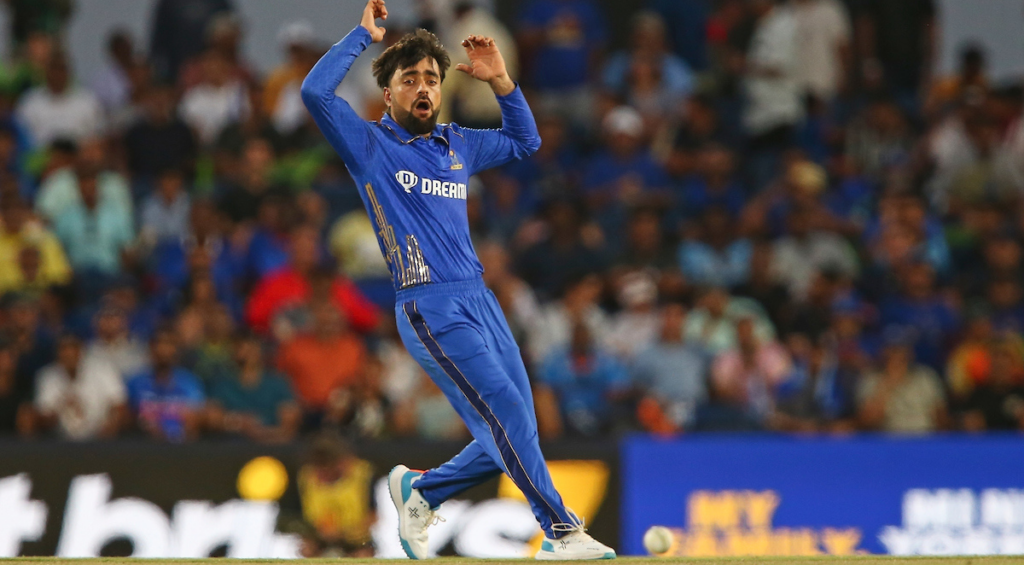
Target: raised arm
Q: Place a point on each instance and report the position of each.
(518, 135)
(346, 131)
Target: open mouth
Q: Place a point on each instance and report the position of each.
(422, 108)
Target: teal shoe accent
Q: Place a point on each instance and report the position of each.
(546, 546)
(407, 485)
(609, 555)
(407, 549)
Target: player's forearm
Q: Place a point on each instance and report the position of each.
(502, 85)
(517, 121)
(331, 69)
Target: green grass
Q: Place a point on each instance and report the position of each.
(824, 560)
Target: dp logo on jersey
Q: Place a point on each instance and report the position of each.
(407, 180)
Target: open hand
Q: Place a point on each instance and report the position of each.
(486, 63)
(374, 9)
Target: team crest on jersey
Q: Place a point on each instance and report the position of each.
(407, 179)
(456, 164)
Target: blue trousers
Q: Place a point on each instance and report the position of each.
(458, 334)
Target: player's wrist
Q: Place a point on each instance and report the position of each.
(502, 85)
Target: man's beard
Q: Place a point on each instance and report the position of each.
(415, 125)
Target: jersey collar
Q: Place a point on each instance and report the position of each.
(406, 137)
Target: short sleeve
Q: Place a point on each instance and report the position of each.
(48, 392)
(114, 385)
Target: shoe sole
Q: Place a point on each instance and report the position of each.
(399, 504)
(548, 556)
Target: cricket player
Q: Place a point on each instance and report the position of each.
(412, 175)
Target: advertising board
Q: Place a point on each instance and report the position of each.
(764, 495)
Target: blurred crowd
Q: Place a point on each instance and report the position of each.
(754, 215)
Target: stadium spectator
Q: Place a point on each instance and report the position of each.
(205, 328)
(774, 106)
(292, 285)
(115, 345)
(879, 139)
(920, 306)
(81, 396)
(686, 22)
(471, 102)
(180, 30)
(818, 395)
(635, 325)
(713, 186)
(579, 304)
(20, 235)
(746, 378)
(96, 232)
(58, 109)
(251, 400)
(322, 363)
(166, 400)
(165, 213)
(901, 396)
(216, 101)
(205, 248)
(997, 402)
(568, 246)
(805, 251)
(763, 287)
(579, 386)
(32, 343)
(60, 191)
(361, 410)
(896, 45)
(718, 256)
(671, 374)
(335, 488)
(112, 84)
(281, 99)
(16, 416)
(624, 173)
(224, 35)
(560, 45)
(159, 140)
(1007, 302)
(244, 191)
(648, 76)
(646, 248)
(427, 414)
(824, 47)
(517, 299)
(712, 322)
(553, 171)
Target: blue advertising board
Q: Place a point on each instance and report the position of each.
(768, 495)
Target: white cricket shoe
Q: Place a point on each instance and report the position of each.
(414, 513)
(577, 544)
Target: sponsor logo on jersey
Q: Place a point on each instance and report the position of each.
(407, 179)
(432, 187)
(443, 188)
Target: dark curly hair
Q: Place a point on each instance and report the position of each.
(408, 51)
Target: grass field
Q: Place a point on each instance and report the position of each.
(824, 560)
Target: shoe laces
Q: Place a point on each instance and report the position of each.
(569, 527)
(433, 518)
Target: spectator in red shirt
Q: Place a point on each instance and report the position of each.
(323, 363)
(290, 287)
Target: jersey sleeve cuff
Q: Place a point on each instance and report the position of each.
(516, 92)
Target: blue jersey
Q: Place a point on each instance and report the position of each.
(414, 188)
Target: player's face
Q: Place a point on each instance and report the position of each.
(415, 96)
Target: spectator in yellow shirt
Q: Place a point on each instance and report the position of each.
(31, 257)
(334, 487)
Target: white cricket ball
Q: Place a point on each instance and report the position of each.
(658, 540)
